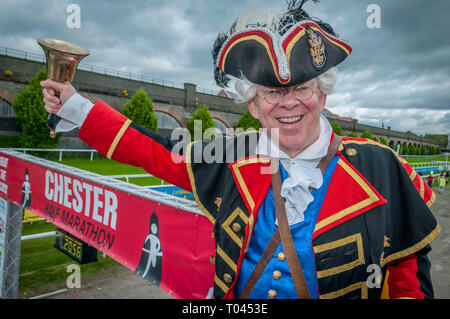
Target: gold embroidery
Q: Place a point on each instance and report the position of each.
(382, 259)
(412, 249)
(226, 258)
(194, 188)
(385, 290)
(220, 283)
(359, 285)
(117, 139)
(386, 241)
(226, 224)
(338, 243)
(251, 222)
(351, 209)
(218, 202)
(432, 199)
(240, 179)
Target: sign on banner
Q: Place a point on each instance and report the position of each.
(168, 246)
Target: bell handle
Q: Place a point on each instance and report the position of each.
(53, 120)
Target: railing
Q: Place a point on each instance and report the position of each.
(423, 156)
(25, 150)
(429, 164)
(102, 70)
(127, 177)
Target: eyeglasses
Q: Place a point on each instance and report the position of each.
(301, 92)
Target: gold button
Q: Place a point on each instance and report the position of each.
(281, 256)
(276, 274)
(227, 278)
(272, 294)
(212, 259)
(237, 227)
(351, 152)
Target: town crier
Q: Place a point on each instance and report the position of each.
(298, 212)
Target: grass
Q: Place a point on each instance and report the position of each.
(426, 159)
(43, 268)
(104, 166)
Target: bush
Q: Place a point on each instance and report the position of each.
(366, 134)
(201, 114)
(247, 121)
(352, 134)
(32, 116)
(383, 140)
(337, 129)
(9, 141)
(140, 111)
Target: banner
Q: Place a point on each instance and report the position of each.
(168, 246)
(3, 219)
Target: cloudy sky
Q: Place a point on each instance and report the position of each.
(398, 73)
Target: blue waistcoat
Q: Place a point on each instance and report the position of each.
(302, 237)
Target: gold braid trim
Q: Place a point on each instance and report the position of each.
(117, 139)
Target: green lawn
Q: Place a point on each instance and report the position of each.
(104, 166)
(43, 268)
(426, 159)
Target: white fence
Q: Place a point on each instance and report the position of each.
(60, 150)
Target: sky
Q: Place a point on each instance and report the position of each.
(398, 74)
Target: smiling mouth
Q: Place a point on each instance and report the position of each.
(289, 119)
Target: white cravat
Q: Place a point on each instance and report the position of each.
(302, 171)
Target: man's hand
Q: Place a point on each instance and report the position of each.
(52, 102)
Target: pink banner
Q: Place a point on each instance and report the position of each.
(168, 246)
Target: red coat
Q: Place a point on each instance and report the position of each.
(376, 204)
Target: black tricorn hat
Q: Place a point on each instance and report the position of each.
(293, 49)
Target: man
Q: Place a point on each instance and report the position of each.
(430, 179)
(354, 221)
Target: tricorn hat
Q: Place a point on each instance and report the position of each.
(284, 50)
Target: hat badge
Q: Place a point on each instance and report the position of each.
(317, 48)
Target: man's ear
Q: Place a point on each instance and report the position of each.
(253, 108)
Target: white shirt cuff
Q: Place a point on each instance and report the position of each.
(73, 113)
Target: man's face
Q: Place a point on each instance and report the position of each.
(297, 121)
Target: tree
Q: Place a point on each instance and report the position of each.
(412, 150)
(423, 150)
(337, 129)
(383, 140)
(200, 121)
(140, 111)
(247, 121)
(32, 116)
(366, 134)
(405, 150)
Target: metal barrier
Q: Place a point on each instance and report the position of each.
(60, 150)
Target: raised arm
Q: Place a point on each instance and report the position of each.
(115, 136)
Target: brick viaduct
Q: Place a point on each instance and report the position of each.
(174, 105)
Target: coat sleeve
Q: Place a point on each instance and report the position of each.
(412, 227)
(409, 277)
(117, 138)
